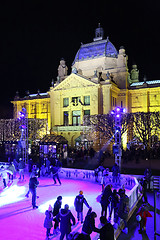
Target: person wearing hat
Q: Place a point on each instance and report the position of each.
(65, 217)
(57, 207)
(89, 224)
(48, 221)
(78, 203)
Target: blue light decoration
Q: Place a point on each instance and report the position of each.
(117, 113)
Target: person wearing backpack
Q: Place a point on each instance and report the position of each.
(78, 203)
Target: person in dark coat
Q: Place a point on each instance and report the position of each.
(55, 170)
(89, 224)
(114, 204)
(33, 173)
(147, 175)
(143, 183)
(33, 183)
(78, 203)
(123, 209)
(21, 167)
(107, 230)
(65, 216)
(57, 207)
(105, 199)
(48, 221)
(115, 173)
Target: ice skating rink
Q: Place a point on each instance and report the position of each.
(18, 221)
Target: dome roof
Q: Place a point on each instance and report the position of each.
(96, 49)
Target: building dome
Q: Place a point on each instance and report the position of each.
(96, 49)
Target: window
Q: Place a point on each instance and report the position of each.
(121, 104)
(44, 108)
(86, 112)
(75, 100)
(65, 118)
(33, 109)
(113, 101)
(86, 100)
(76, 118)
(65, 102)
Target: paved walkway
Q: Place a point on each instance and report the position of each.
(134, 226)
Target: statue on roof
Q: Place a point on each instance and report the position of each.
(134, 75)
(62, 71)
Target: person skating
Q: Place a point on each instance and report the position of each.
(57, 207)
(13, 170)
(3, 174)
(65, 216)
(89, 224)
(105, 199)
(115, 173)
(123, 210)
(48, 221)
(55, 170)
(21, 167)
(33, 183)
(114, 204)
(33, 173)
(78, 203)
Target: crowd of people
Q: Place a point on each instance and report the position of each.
(111, 201)
(65, 218)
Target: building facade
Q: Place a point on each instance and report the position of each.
(100, 81)
(37, 106)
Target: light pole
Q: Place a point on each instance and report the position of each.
(118, 125)
(23, 142)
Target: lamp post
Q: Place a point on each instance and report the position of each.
(117, 146)
(23, 142)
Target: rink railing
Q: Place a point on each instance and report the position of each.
(129, 182)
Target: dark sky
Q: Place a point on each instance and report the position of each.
(35, 35)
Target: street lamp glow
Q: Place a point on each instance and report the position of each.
(118, 109)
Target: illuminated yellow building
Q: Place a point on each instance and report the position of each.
(37, 106)
(99, 82)
(144, 96)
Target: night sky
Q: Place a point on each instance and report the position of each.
(35, 35)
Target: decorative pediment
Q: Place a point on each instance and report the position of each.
(74, 81)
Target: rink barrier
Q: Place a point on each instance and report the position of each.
(89, 175)
(129, 182)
